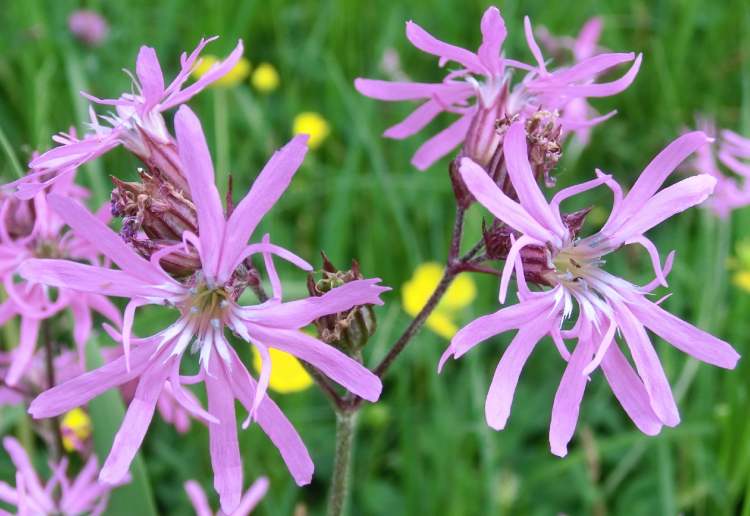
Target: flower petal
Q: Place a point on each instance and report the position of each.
(296, 314)
(267, 188)
(273, 422)
(484, 189)
(333, 363)
(426, 42)
(197, 165)
(503, 386)
(684, 336)
(23, 354)
(442, 143)
(224, 446)
(493, 36)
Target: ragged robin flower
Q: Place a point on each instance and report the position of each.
(579, 300)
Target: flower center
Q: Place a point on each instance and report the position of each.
(574, 264)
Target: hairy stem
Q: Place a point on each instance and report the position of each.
(346, 422)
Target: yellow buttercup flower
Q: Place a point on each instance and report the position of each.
(416, 292)
(76, 429)
(236, 75)
(265, 78)
(313, 124)
(287, 374)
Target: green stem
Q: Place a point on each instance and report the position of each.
(10, 153)
(346, 425)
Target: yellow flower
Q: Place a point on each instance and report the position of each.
(741, 262)
(75, 428)
(265, 78)
(313, 124)
(287, 374)
(416, 292)
(236, 75)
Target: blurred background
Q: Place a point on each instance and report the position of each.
(425, 448)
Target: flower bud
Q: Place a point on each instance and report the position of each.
(349, 330)
(543, 135)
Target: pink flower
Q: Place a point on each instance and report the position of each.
(728, 161)
(67, 365)
(137, 122)
(479, 91)
(30, 229)
(208, 304)
(88, 26)
(249, 501)
(578, 111)
(30, 497)
(606, 304)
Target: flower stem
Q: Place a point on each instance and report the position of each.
(346, 425)
(56, 446)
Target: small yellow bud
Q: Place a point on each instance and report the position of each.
(265, 78)
(313, 124)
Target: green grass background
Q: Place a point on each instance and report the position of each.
(425, 448)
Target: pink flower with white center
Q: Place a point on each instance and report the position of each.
(137, 123)
(29, 229)
(88, 26)
(208, 305)
(586, 45)
(84, 495)
(480, 90)
(728, 161)
(606, 304)
(250, 499)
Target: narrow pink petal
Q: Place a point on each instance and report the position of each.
(82, 324)
(88, 227)
(274, 424)
(252, 497)
(23, 354)
(653, 176)
(648, 366)
(684, 336)
(416, 121)
(425, 42)
(263, 380)
(215, 73)
(267, 188)
(487, 326)
(199, 169)
(137, 420)
(333, 363)
(88, 278)
(78, 391)
(198, 498)
(630, 391)
(604, 89)
(223, 443)
(533, 46)
(24, 468)
(493, 36)
(588, 39)
(296, 314)
(442, 143)
(394, 91)
(524, 182)
(503, 386)
(500, 205)
(569, 395)
(149, 75)
(665, 204)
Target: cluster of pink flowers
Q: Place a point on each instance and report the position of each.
(182, 248)
(206, 302)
